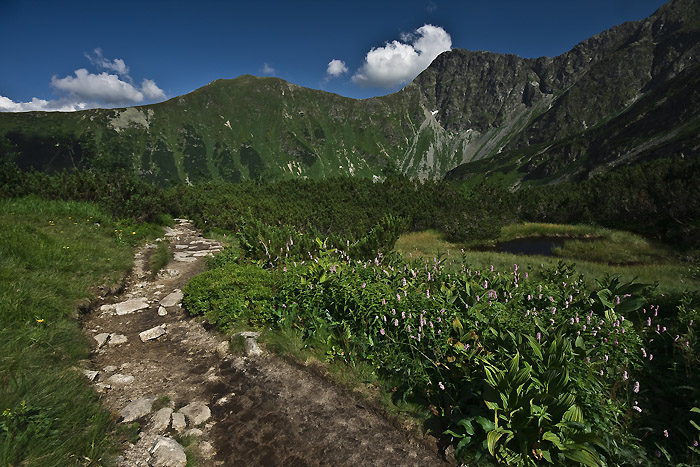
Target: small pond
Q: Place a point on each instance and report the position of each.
(531, 246)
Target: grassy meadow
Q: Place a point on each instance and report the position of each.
(53, 257)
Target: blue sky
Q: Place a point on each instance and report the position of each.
(80, 54)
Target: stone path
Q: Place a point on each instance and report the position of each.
(154, 365)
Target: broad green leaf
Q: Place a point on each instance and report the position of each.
(492, 438)
(583, 455)
(554, 439)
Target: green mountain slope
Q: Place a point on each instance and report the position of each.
(529, 119)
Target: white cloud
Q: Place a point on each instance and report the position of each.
(117, 64)
(399, 62)
(98, 88)
(151, 90)
(87, 90)
(336, 68)
(8, 105)
(267, 69)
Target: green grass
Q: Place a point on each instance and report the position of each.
(603, 252)
(53, 256)
(160, 258)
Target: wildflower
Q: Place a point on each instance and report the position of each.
(40, 320)
(636, 407)
(381, 331)
(625, 377)
(636, 387)
(442, 386)
(396, 323)
(665, 433)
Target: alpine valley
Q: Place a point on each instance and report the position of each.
(628, 95)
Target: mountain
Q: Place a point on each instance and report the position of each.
(625, 95)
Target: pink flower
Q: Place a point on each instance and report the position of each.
(381, 331)
(442, 386)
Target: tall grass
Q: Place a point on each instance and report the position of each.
(604, 252)
(53, 255)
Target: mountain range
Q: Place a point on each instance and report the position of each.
(628, 94)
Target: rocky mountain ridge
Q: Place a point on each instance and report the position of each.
(542, 119)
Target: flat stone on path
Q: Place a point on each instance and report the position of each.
(116, 339)
(161, 420)
(131, 306)
(166, 452)
(172, 299)
(101, 339)
(119, 379)
(137, 409)
(196, 412)
(162, 311)
(179, 423)
(153, 333)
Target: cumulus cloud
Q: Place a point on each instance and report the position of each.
(267, 69)
(336, 68)
(101, 87)
(398, 62)
(151, 91)
(117, 64)
(85, 90)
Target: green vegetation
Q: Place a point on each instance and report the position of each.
(53, 256)
(332, 266)
(550, 366)
(160, 257)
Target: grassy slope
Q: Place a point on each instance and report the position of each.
(51, 255)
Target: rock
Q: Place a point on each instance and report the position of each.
(109, 369)
(252, 349)
(206, 449)
(161, 420)
(116, 339)
(153, 333)
(247, 334)
(137, 409)
(222, 349)
(166, 452)
(183, 258)
(162, 311)
(101, 339)
(172, 299)
(196, 413)
(179, 423)
(91, 374)
(181, 247)
(107, 308)
(119, 379)
(131, 306)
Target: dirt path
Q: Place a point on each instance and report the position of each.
(258, 410)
